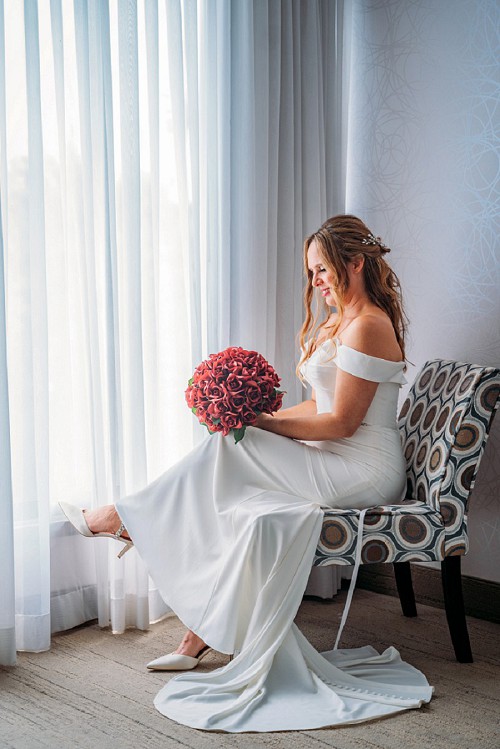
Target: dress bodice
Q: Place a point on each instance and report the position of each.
(320, 371)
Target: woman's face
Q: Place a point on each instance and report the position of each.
(322, 279)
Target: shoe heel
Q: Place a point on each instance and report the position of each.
(126, 547)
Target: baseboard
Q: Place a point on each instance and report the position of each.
(481, 597)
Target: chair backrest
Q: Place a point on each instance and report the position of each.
(445, 421)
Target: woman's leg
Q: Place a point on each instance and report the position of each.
(106, 520)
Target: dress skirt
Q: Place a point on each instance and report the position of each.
(228, 535)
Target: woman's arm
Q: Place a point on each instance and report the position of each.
(369, 334)
(306, 408)
(352, 399)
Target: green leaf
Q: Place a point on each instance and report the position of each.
(190, 381)
(238, 434)
(193, 410)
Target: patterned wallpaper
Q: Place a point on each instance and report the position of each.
(423, 168)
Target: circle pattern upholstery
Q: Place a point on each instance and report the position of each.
(444, 423)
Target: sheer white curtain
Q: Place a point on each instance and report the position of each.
(7, 596)
(97, 299)
(160, 166)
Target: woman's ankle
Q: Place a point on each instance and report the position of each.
(104, 520)
(191, 644)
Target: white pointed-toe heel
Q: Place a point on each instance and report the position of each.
(77, 519)
(178, 661)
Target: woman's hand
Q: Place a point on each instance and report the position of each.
(306, 408)
(262, 420)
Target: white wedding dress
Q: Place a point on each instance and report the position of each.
(229, 534)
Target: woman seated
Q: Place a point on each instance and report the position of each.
(228, 534)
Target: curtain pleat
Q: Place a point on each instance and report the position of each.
(7, 589)
(221, 246)
(182, 42)
(87, 236)
(31, 393)
(107, 604)
(150, 234)
(130, 251)
(3, 125)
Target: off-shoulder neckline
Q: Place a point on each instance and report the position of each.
(370, 356)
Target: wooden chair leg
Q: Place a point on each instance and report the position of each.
(402, 573)
(455, 609)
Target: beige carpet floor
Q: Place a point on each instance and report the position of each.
(91, 690)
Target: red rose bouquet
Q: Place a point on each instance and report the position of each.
(230, 389)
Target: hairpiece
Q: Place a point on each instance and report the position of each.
(370, 239)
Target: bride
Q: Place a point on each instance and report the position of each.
(228, 534)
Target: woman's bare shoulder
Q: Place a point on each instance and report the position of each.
(372, 333)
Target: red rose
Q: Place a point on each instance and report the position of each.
(248, 415)
(235, 402)
(215, 391)
(235, 383)
(231, 421)
(252, 393)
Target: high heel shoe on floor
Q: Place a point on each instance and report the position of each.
(178, 661)
(77, 519)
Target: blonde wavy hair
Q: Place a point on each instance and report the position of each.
(340, 240)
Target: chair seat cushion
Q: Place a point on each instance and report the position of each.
(411, 531)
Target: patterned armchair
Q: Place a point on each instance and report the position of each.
(444, 422)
